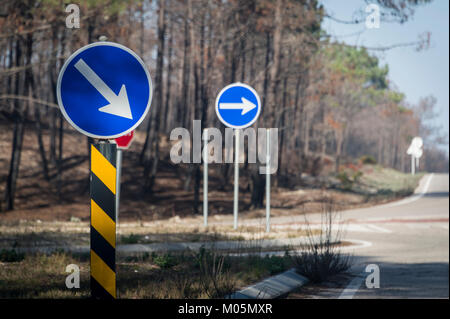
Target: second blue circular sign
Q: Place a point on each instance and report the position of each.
(238, 105)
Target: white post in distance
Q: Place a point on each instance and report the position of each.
(418, 155)
(268, 180)
(236, 180)
(205, 177)
(416, 151)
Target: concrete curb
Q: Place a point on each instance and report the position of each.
(272, 287)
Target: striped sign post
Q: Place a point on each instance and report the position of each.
(103, 220)
(85, 81)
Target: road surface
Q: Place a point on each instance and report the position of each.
(408, 240)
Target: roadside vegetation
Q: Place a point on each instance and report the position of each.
(201, 274)
(322, 257)
(375, 182)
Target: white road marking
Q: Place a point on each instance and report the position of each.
(408, 217)
(365, 228)
(379, 229)
(350, 291)
(362, 228)
(414, 197)
(358, 228)
(360, 244)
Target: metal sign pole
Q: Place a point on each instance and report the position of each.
(268, 180)
(236, 180)
(413, 165)
(205, 177)
(119, 174)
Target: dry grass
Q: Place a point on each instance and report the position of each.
(205, 274)
(41, 276)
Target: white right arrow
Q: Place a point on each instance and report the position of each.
(246, 106)
(119, 104)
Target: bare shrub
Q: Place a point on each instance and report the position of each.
(215, 275)
(321, 258)
(185, 285)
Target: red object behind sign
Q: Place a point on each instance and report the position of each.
(124, 141)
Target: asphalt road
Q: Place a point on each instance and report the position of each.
(408, 240)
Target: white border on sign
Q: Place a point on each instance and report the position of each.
(257, 99)
(63, 69)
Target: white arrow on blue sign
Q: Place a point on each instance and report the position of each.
(238, 105)
(104, 90)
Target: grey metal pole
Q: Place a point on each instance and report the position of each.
(205, 177)
(236, 180)
(413, 165)
(119, 173)
(268, 180)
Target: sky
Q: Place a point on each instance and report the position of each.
(416, 74)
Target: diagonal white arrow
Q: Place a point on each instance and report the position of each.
(119, 104)
(246, 106)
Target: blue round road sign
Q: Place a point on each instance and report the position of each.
(104, 90)
(238, 105)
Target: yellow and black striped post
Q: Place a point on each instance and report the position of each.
(103, 221)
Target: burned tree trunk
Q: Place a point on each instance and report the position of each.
(19, 116)
(154, 124)
(258, 183)
(168, 115)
